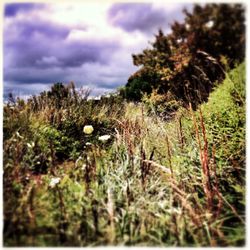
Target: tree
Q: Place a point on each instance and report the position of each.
(185, 62)
(218, 29)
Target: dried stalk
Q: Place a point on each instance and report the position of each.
(203, 159)
(169, 157)
(206, 165)
(110, 208)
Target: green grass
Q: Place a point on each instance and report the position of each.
(154, 183)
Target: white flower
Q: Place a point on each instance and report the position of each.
(88, 129)
(31, 145)
(54, 181)
(187, 26)
(104, 138)
(88, 143)
(209, 24)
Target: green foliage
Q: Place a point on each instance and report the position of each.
(225, 116)
(225, 123)
(225, 119)
(136, 88)
(16, 118)
(186, 62)
(164, 106)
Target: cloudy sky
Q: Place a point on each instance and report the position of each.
(88, 43)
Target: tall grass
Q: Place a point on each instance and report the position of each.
(153, 183)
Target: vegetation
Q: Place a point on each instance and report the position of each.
(161, 163)
(67, 187)
(185, 63)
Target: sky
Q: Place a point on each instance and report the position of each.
(88, 43)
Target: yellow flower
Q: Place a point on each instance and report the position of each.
(88, 129)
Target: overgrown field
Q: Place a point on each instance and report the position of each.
(147, 182)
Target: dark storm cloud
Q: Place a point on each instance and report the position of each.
(40, 62)
(28, 29)
(143, 17)
(77, 53)
(48, 52)
(12, 9)
(26, 42)
(136, 16)
(40, 51)
(33, 75)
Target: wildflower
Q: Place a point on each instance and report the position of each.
(104, 138)
(31, 145)
(88, 143)
(88, 129)
(209, 24)
(187, 26)
(54, 181)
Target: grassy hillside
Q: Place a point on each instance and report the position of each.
(148, 182)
